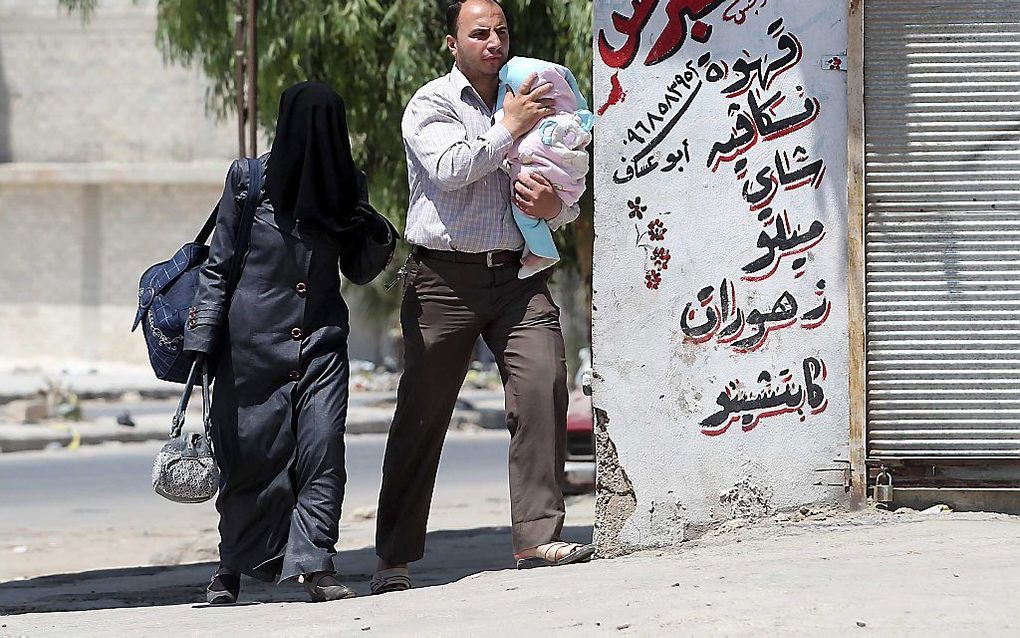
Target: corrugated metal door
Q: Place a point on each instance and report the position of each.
(942, 251)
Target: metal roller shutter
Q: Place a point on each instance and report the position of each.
(942, 235)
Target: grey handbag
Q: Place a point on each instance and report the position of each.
(184, 470)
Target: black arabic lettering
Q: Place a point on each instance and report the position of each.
(673, 160)
(768, 127)
(705, 331)
(782, 315)
(813, 369)
(750, 72)
(762, 197)
(745, 136)
(807, 174)
(785, 243)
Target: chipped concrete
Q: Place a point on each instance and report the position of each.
(616, 501)
(747, 500)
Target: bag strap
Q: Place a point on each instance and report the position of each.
(207, 229)
(251, 202)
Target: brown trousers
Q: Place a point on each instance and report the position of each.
(446, 306)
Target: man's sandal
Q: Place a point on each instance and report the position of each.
(548, 553)
(387, 580)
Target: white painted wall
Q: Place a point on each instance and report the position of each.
(656, 381)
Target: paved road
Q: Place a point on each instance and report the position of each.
(94, 508)
(38, 487)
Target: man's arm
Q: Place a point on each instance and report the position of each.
(438, 140)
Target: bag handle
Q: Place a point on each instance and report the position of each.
(199, 371)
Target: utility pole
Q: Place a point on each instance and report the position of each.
(239, 55)
(252, 66)
(246, 76)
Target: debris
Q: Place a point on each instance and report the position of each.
(861, 624)
(124, 418)
(622, 627)
(941, 508)
(364, 513)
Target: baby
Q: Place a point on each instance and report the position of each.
(554, 148)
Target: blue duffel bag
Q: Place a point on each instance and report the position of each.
(167, 290)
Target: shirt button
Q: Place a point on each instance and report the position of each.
(294, 375)
(301, 288)
(296, 333)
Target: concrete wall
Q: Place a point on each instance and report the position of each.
(720, 324)
(109, 161)
(100, 92)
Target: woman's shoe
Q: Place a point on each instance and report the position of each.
(224, 588)
(324, 586)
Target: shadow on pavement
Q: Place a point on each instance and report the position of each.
(450, 556)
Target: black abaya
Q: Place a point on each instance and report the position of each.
(280, 395)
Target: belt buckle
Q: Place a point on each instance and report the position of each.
(488, 260)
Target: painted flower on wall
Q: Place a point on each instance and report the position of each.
(636, 209)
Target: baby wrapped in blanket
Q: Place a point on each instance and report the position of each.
(554, 148)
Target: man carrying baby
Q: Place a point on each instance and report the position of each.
(461, 281)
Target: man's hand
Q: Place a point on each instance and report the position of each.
(524, 109)
(536, 197)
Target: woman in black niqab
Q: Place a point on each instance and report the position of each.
(311, 175)
(279, 404)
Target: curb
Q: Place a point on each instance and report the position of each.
(25, 438)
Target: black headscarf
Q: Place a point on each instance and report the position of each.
(311, 174)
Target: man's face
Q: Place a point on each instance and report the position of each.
(483, 40)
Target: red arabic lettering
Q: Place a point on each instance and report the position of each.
(630, 27)
(674, 35)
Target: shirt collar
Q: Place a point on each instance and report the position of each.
(460, 81)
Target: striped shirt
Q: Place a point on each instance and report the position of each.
(460, 199)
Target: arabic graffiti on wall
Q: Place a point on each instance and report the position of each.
(778, 394)
(762, 91)
(679, 13)
(719, 285)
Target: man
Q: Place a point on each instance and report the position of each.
(461, 282)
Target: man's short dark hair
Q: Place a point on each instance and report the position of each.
(453, 15)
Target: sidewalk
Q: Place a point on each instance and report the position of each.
(829, 574)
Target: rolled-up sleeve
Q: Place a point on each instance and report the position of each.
(205, 317)
(438, 141)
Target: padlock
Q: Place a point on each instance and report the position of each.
(883, 492)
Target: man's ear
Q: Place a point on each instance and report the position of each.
(451, 44)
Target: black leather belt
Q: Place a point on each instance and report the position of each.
(492, 259)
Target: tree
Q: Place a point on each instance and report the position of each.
(376, 53)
